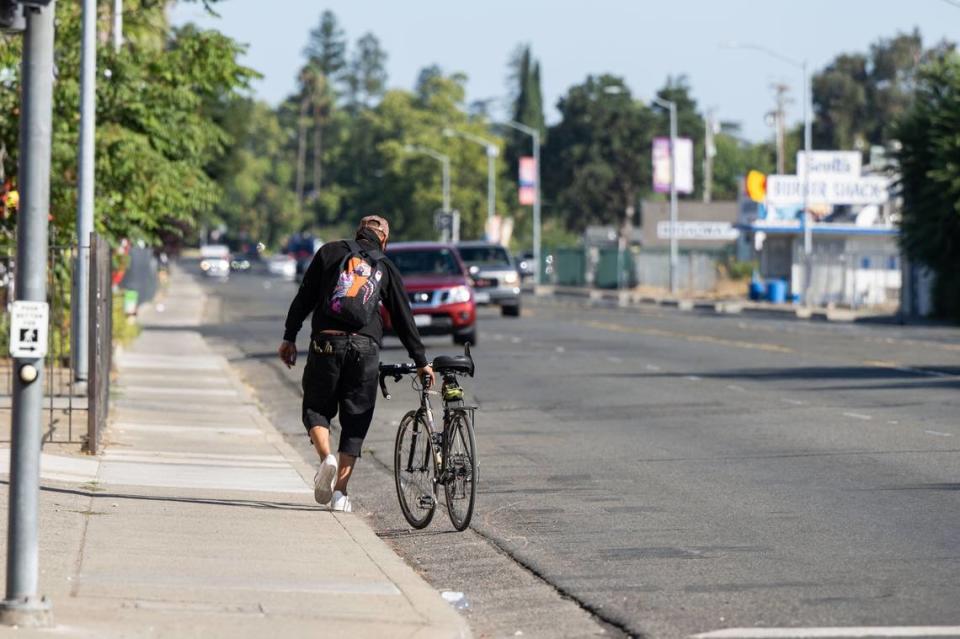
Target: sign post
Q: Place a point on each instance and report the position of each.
(23, 606)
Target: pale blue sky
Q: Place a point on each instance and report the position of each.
(642, 40)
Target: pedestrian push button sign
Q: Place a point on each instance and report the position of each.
(28, 329)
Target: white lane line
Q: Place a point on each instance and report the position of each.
(560, 349)
(795, 402)
(515, 340)
(937, 433)
(615, 360)
(893, 421)
(858, 416)
(848, 631)
(693, 378)
(651, 367)
(734, 387)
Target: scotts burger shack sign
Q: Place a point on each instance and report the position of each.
(788, 190)
(834, 178)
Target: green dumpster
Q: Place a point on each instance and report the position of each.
(570, 265)
(610, 261)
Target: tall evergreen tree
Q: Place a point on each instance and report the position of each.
(366, 75)
(327, 47)
(527, 96)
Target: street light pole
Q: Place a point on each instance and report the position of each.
(492, 153)
(117, 25)
(674, 249)
(23, 606)
(444, 161)
(535, 135)
(85, 190)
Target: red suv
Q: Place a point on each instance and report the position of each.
(439, 290)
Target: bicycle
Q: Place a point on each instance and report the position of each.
(425, 458)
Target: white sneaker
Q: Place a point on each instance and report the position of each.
(341, 502)
(325, 479)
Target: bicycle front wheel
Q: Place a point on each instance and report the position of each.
(460, 462)
(413, 471)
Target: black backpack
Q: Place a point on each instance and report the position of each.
(356, 295)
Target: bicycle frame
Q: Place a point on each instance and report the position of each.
(438, 439)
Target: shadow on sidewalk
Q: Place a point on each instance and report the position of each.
(236, 503)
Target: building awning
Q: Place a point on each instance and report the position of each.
(821, 229)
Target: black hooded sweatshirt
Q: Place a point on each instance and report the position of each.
(319, 282)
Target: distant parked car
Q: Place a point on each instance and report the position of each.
(439, 290)
(215, 260)
(495, 277)
(282, 266)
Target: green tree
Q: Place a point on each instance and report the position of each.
(366, 78)
(326, 49)
(859, 96)
(157, 131)
(406, 186)
(929, 161)
(256, 176)
(599, 155)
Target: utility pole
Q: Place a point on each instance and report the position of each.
(23, 606)
(778, 119)
(710, 129)
(80, 309)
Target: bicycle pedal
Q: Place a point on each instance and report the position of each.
(425, 501)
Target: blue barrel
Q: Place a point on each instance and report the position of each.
(756, 290)
(777, 291)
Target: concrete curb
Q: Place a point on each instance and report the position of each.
(628, 299)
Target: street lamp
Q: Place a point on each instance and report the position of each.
(492, 154)
(444, 161)
(535, 135)
(672, 107)
(807, 146)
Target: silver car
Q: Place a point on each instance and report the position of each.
(495, 276)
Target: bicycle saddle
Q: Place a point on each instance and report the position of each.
(455, 363)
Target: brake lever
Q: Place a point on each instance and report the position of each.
(383, 386)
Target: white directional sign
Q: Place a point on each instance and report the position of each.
(787, 190)
(716, 231)
(28, 329)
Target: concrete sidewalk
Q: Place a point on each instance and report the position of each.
(199, 521)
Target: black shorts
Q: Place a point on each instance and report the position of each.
(341, 375)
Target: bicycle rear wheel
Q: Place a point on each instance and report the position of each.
(413, 471)
(460, 461)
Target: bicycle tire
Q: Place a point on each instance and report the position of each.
(415, 513)
(460, 459)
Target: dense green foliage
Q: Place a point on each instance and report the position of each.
(157, 131)
(930, 166)
(858, 97)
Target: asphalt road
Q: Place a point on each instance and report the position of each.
(661, 473)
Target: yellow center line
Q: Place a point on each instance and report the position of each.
(657, 332)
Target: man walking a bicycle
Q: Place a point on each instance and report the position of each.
(342, 288)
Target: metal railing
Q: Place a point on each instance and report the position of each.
(66, 401)
(62, 396)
